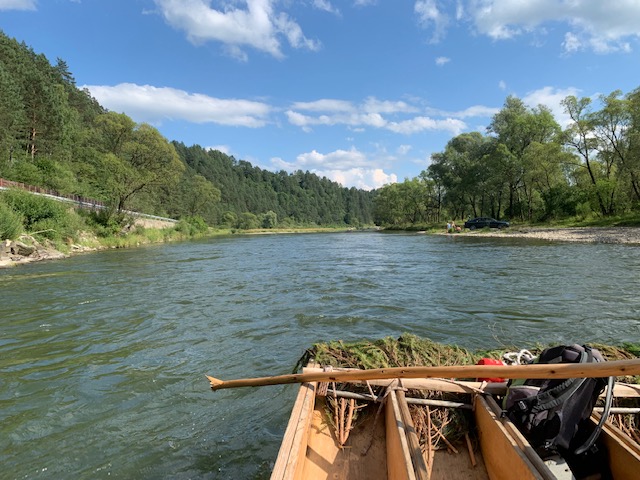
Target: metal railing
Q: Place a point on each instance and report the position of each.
(75, 199)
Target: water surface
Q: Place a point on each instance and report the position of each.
(103, 356)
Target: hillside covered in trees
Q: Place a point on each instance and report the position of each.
(525, 167)
(56, 136)
(528, 168)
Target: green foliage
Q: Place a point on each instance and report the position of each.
(24, 172)
(269, 219)
(560, 201)
(44, 217)
(229, 219)
(105, 223)
(407, 350)
(247, 221)
(409, 203)
(191, 226)
(55, 136)
(527, 169)
(633, 348)
(10, 223)
(34, 208)
(301, 198)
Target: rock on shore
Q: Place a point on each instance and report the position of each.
(622, 235)
(26, 249)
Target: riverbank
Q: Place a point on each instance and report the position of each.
(27, 249)
(620, 235)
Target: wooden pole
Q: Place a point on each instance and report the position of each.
(556, 370)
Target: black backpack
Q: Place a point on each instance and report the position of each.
(554, 414)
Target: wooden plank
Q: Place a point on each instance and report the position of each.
(323, 450)
(553, 370)
(399, 465)
(413, 442)
(463, 386)
(448, 466)
(410, 400)
(623, 451)
(290, 460)
(437, 384)
(363, 457)
(502, 456)
(520, 440)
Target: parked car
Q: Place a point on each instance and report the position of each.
(482, 222)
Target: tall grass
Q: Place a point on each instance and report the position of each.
(10, 223)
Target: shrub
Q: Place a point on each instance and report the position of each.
(198, 224)
(10, 223)
(269, 219)
(34, 208)
(230, 219)
(247, 221)
(192, 226)
(105, 223)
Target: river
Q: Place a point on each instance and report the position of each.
(103, 356)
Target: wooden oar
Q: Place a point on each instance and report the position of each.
(555, 370)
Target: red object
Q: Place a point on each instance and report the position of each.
(490, 361)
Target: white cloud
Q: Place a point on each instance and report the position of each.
(475, 111)
(347, 167)
(145, 103)
(17, 4)
(370, 113)
(502, 85)
(325, 105)
(338, 160)
(571, 43)
(326, 6)
(373, 105)
(421, 124)
(365, 179)
(440, 61)
(226, 149)
(258, 26)
(354, 119)
(429, 15)
(597, 25)
(552, 98)
(404, 149)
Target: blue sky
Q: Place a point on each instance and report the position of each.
(360, 91)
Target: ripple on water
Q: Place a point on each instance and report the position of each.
(105, 354)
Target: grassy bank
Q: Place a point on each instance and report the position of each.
(56, 228)
(626, 220)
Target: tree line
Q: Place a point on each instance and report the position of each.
(527, 167)
(57, 136)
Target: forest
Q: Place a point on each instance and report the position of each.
(56, 136)
(528, 168)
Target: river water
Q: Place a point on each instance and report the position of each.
(103, 356)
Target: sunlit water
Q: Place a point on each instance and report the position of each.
(103, 356)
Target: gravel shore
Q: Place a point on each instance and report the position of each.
(622, 235)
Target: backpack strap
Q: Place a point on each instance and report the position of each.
(596, 431)
(557, 395)
(553, 396)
